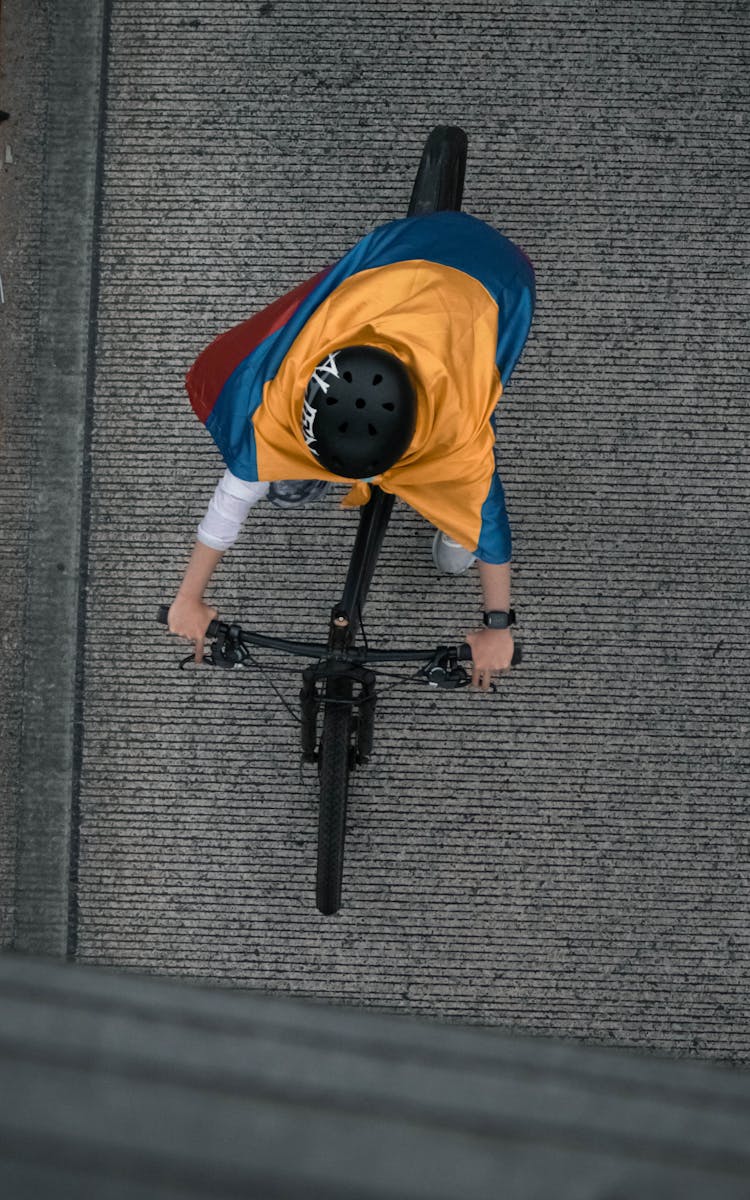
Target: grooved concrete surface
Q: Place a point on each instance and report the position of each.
(23, 71)
(569, 856)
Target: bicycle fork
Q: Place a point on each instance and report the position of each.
(363, 710)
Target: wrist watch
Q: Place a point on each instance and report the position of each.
(499, 619)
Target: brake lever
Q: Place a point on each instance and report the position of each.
(225, 651)
(443, 671)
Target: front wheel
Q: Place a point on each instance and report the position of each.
(334, 763)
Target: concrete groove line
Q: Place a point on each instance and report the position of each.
(86, 515)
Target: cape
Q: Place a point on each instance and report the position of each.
(447, 293)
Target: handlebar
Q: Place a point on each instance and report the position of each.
(230, 649)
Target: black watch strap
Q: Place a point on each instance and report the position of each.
(499, 619)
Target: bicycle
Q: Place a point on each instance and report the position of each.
(348, 720)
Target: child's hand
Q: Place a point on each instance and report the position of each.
(492, 653)
(189, 617)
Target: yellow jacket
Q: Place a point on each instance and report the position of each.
(458, 328)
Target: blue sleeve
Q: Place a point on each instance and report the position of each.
(515, 317)
(231, 421)
(514, 322)
(494, 545)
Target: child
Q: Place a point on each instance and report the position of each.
(447, 302)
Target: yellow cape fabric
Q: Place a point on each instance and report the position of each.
(443, 324)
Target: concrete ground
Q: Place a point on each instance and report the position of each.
(567, 857)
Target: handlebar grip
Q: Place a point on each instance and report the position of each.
(162, 617)
(464, 653)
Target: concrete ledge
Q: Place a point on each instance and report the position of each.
(57, 540)
(118, 1085)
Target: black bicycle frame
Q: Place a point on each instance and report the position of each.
(345, 622)
(373, 522)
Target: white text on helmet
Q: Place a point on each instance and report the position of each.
(308, 423)
(327, 368)
(308, 412)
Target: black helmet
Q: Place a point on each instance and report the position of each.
(360, 411)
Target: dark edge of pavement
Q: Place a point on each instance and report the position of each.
(46, 911)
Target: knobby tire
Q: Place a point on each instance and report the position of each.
(333, 771)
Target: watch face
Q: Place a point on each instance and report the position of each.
(496, 620)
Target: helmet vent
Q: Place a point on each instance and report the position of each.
(360, 403)
(343, 428)
(331, 400)
(389, 405)
(348, 376)
(373, 430)
(377, 379)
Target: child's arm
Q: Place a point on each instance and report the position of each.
(203, 563)
(188, 616)
(233, 498)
